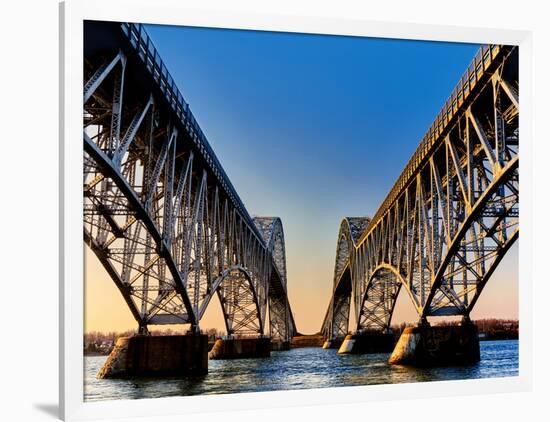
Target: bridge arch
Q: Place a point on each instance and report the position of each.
(281, 320)
(239, 302)
(100, 234)
(379, 298)
(271, 229)
(336, 320)
(473, 231)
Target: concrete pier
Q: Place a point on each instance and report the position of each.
(367, 342)
(241, 348)
(437, 346)
(144, 356)
(333, 343)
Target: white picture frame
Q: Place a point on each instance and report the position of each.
(72, 15)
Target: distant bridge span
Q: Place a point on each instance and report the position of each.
(160, 213)
(451, 216)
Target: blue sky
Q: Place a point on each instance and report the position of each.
(310, 128)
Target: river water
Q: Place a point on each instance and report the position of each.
(297, 369)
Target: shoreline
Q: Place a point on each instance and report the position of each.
(95, 354)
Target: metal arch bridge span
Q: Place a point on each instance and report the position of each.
(160, 213)
(451, 216)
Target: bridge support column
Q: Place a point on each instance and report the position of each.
(425, 345)
(334, 343)
(241, 348)
(368, 342)
(143, 356)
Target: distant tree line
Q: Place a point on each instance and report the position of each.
(102, 343)
(498, 329)
(489, 329)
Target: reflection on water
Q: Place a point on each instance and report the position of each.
(297, 369)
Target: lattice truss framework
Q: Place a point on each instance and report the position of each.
(451, 216)
(280, 316)
(159, 216)
(338, 312)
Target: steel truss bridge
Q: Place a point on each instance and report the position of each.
(160, 213)
(451, 216)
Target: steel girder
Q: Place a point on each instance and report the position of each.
(452, 214)
(159, 211)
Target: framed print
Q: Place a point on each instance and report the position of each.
(271, 210)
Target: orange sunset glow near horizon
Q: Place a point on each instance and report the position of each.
(309, 294)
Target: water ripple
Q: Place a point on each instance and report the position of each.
(297, 369)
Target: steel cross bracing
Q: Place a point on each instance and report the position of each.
(450, 217)
(338, 311)
(159, 211)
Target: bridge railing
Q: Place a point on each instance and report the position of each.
(143, 45)
(481, 62)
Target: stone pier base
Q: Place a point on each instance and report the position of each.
(241, 348)
(279, 346)
(150, 356)
(333, 344)
(437, 346)
(367, 343)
